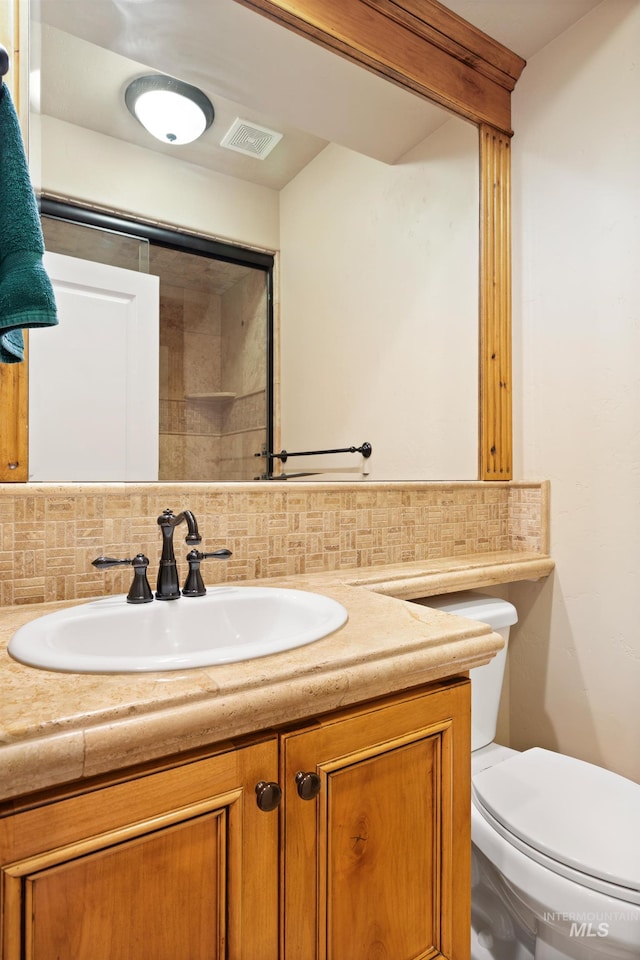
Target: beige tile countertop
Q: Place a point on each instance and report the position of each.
(60, 727)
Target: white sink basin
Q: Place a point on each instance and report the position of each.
(226, 625)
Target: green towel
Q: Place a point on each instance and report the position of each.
(26, 294)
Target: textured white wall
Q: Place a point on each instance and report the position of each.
(379, 316)
(87, 166)
(575, 659)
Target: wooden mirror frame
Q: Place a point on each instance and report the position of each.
(14, 393)
(424, 47)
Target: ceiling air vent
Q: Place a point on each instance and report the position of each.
(250, 138)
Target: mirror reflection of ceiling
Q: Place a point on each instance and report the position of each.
(246, 64)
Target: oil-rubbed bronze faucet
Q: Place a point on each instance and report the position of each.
(168, 587)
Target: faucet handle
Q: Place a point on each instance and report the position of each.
(140, 591)
(194, 584)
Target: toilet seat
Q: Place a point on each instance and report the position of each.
(574, 818)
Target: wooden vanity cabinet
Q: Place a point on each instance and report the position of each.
(175, 865)
(377, 862)
(366, 856)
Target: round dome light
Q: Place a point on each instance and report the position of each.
(172, 111)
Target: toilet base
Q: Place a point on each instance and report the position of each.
(498, 929)
(503, 927)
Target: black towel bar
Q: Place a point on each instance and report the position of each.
(283, 456)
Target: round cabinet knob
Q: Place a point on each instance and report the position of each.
(268, 795)
(308, 785)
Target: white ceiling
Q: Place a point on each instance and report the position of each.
(254, 69)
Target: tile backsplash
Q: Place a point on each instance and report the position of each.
(50, 533)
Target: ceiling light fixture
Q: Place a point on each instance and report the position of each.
(171, 110)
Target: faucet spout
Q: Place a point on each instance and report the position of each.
(168, 587)
(193, 534)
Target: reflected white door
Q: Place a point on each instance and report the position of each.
(93, 379)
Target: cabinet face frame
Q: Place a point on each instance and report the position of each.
(420, 45)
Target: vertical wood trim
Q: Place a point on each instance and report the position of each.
(14, 394)
(495, 400)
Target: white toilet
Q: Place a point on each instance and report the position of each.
(556, 841)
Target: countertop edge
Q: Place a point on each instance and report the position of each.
(66, 753)
(56, 759)
(468, 577)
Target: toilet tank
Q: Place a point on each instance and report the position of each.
(486, 681)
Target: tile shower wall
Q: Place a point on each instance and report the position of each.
(243, 343)
(212, 380)
(190, 363)
(49, 534)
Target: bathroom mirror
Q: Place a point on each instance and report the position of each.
(365, 376)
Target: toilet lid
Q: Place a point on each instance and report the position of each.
(576, 818)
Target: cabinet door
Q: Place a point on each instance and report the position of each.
(378, 864)
(176, 864)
